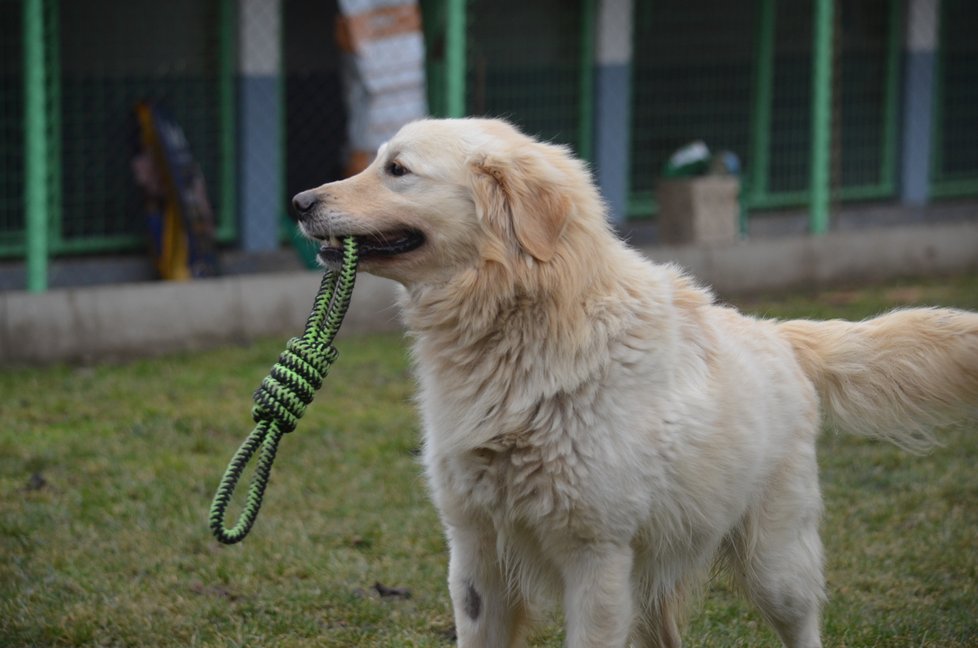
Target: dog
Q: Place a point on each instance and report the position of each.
(598, 431)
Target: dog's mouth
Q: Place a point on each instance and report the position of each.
(378, 245)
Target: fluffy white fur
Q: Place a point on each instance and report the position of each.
(597, 430)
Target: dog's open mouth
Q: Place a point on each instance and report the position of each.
(372, 246)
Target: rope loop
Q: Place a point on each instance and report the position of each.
(281, 399)
(263, 440)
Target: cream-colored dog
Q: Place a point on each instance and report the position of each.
(597, 429)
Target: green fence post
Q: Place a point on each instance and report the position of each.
(52, 36)
(763, 94)
(891, 98)
(36, 172)
(585, 125)
(455, 44)
(821, 117)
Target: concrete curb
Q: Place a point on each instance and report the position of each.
(128, 320)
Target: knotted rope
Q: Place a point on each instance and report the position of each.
(283, 395)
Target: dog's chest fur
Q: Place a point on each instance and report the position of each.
(530, 474)
(516, 435)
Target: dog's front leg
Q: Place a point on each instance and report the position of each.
(488, 614)
(597, 595)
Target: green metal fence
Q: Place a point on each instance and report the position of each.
(809, 94)
(742, 81)
(72, 76)
(29, 132)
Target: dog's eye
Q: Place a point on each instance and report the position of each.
(396, 169)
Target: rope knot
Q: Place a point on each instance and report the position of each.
(290, 385)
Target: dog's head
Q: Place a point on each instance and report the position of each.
(443, 196)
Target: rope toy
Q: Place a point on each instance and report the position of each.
(283, 395)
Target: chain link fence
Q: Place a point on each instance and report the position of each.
(955, 166)
(741, 81)
(101, 65)
(315, 113)
(11, 125)
(737, 76)
(103, 79)
(538, 75)
(691, 80)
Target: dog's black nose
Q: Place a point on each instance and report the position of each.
(303, 202)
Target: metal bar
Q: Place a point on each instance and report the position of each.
(763, 94)
(819, 178)
(55, 208)
(891, 96)
(643, 205)
(873, 191)
(585, 124)
(781, 200)
(227, 218)
(36, 172)
(951, 188)
(455, 63)
(801, 198)
(106, 243)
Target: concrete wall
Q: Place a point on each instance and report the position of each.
(121, 321)
(812, 261)
(111, 322)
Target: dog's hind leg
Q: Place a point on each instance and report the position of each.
(776, 553)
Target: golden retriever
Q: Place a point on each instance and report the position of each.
(596, 429)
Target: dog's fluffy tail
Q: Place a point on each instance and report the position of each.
(895, 377)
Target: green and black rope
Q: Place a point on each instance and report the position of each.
(282, 397)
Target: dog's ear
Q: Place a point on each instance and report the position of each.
(519, 196)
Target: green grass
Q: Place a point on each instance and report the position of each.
(106, 475)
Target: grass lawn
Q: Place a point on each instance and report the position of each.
(107, 471)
